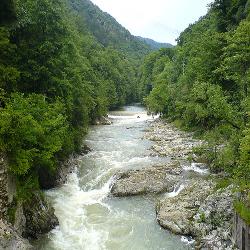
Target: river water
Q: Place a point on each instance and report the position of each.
(90, 219)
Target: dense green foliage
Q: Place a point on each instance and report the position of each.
(55, 78)
(155, 45)
(108, 31)
(42, 128)
(7, 12)
(204, 84)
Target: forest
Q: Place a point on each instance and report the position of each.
(56, 78)
(60, 70)
(203, 85)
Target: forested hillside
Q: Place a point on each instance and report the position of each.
(203, 84)
(56, 76)
(7, 12)
(155, 45)
(108, 31)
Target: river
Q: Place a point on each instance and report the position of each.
(90, 219)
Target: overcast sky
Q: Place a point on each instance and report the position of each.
(161, 20)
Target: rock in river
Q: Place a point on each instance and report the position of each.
(171, 142)
(155, 179)
(102, 121)
(10, 240)
(39, 215)
(212, 224)
(176, 213)
(33, 217)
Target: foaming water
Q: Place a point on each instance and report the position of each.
(90, 219)
(176, 191)
(197, 167)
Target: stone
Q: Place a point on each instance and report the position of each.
(176, 213)
(10, 240)
(20, 219)
(85, 149)
(40, 217)
(102, 121)
(171, 142)
(212, 224)
(155, 179)
(30, 219)
(198, 210)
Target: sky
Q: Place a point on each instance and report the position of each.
(161, 20)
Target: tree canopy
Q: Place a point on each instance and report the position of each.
(204, 83)
(57, 76)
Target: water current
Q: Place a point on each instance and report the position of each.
(90, 219)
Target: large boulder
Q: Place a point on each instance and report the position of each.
(39, 216)
(102, 121)
(33, 217)
(155, 179)
(176, 213)
(212, 224)
(10, 240)
(29, 219)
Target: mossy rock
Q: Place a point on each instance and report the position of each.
(40, 217)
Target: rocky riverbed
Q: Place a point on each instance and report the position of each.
(188, 202)
(170, 141)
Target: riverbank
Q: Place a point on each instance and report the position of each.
(23, 220)
(188, 202)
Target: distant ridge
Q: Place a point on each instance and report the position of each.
(155, 45)
(108, 31)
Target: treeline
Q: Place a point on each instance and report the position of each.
(55, 78)
(203, 84)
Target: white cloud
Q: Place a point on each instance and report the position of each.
(161, 20)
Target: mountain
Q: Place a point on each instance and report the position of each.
(108, 31)
(155, 45)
